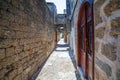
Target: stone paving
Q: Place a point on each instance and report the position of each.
(60, 65)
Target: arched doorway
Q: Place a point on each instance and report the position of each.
(86, 40)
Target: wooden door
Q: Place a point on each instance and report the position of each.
(82, 42)
(89, 44)
(86, 39)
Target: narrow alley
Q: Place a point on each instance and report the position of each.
(60, 65)
(59, 39)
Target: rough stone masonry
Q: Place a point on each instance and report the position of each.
(26, 37)
(107, 36)
(107, 39)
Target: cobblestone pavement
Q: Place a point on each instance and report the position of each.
(60, 65)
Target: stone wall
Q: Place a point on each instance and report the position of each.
(107, 39)
(26, 37)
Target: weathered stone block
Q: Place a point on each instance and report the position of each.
(12, 74)
(2, 53)
(21, 55)
(1, 67)
(19, 34)
(25, 75)
(97, 7)
(19, 77)
(2, 32)
(10, 51)
(27, 47)
(25, 65)
(115, 27)
(112, 6)
(8, 60)
(100, 32)
(20, 69)
(19, 49)
(105, 67)
(2, 73)
(34, 68)
(5, 43)
(109, 50)
(9, 68)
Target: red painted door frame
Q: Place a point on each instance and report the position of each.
(85, 60)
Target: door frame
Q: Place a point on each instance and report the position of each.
(81, 12)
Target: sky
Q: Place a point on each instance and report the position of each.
(60, 4)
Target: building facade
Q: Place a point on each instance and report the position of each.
(52, 8)
(95, 36)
